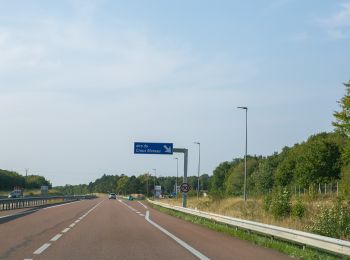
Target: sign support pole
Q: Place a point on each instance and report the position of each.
(185, 152)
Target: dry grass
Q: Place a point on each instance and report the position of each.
(253, 209)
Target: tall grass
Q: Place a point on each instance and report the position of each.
(253, 209)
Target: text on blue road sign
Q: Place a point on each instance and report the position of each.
(153, 148)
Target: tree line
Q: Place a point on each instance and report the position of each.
(142, 184)
(10, 179)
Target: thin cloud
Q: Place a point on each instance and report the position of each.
(338, 24)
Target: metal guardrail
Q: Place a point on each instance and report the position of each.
(17, 203)
(307, 239)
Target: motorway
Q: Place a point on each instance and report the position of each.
(115, 229)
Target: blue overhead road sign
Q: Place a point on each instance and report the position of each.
(153, 148)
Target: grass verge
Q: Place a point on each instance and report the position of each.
(291, 249)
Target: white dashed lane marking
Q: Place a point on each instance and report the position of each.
(41, 249)
(55, 238)
(65, 230)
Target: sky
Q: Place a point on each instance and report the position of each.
(81, 81)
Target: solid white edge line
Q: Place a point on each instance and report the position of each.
(41, 249)
(55, 238)
(72, 225)
(178, 240)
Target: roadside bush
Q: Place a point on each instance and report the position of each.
(298, 209)
(216, 195)
(267, 202)
(280, 203)
(333, 221)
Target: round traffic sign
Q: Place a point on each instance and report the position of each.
(185, 187)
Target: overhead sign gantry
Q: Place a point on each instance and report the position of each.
(167, 149)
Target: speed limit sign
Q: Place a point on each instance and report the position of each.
(185, 187)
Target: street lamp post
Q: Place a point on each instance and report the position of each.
(147, 184)
(199, 166)
(245, 157)
(154, 188)
(25, 180)
(177, 174)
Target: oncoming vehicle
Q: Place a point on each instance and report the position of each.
(15, 194)
(112, 196)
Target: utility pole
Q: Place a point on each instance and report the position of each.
(147, 182)
(25, 179)
(154, 190)
(245, 157)
(199, 166)
(177, 174)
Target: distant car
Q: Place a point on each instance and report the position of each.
(112, 196)
(15, 194)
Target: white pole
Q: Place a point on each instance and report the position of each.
(154, 188)
(199, 166)
(177, 174)
(245, 157)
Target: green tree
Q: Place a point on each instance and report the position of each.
(204, 180)
(133, 185)
(285, 169)
(219, 175)
(318, 160)
(235, 180)
(342, 117)
(145, 183)
(262, 179)
(122, 184)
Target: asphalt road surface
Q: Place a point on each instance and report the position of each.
(116, 229)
